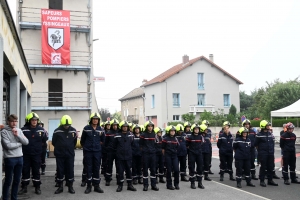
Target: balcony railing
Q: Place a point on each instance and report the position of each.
(200, 108)
(30, 18)
(133, 118)
(80, 60)
(61, 101)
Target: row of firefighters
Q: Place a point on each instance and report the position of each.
(138, 149)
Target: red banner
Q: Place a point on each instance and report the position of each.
(55, 37)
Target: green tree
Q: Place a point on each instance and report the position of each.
(246, 101)
(188, 117)
(117, 116)
(232, 110)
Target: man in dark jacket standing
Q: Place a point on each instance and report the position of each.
(265, 146)
(32, 152)
(123, 143)
(287, 144)
(92, 139)
(64, 140)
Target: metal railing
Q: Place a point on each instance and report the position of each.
(80, 19)
(63, 100)
(133, 118)
(82, 58)
(200, 108)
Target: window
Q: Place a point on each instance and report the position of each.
(176, 117)
(141, 111)
(152, 101)
(55, 92)
(201, 100)
(56, 4)
(176, 100)
(200, 81)
(226, 100)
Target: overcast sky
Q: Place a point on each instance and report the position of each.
(255, 41)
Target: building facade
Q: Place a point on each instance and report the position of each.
(132, 106)
(60, 89)
(190, 87)
(15, 76)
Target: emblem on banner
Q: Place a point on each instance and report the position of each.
(55, 58)
(55, 37)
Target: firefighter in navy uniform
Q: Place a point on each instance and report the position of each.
(194, 142)
(147, 145)
(242, 148)
(91, 140)
(287, 144)
(123, 143)
(136, 156)
(159, 155)
(187, 129)
(225, 152)
(64, 140)
(206, 152)
(44, 151)
(32, 152)
(265, 147)
(251, 135)
(104, 153)
(169, 148)
(182, 151)
(110, 150)
(209, 134)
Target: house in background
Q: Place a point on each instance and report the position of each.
(132, 106)
(190, 87)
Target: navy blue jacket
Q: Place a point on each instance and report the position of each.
(252, 136)
(147, 142)
(287, 142)
(208, 133)
(187, 133)
(181, 151)
(136, 151)
(170, 145)
(242, 148)
(91, 139)
(194, 142)
(64, 141)
(265, 143)
(158, 144)
(206, 146)
(109, 140)
(123, 143)
(225, 144)
(36, 137)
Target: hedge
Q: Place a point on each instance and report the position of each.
(174, 123)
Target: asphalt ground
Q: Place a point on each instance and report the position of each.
(214, 189)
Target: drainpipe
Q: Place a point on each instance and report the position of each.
(167, 100)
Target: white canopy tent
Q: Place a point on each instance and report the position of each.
(292, 110)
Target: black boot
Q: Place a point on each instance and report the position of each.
(253, 176)
(238, 184)
(120, 188)
(107, 183)
(98, 189)
(83, 184)
(88, 189)
(38, 190)
(249, 183)
(295, 181)
(200, 185)
(135, 181)
(56, 184)
(286, 182)
(271, 182)
(170, 187)
(262, 183)
(206, 177)
(177, 187)
(161, 179)
(231, 177)
(70, 188)
(183, 178)
(140, 181)
(154, 187)
(67, 184)
(60, 188)
(145, 188)
(23, 190)
(193, 185)
(222, 177)
(210, 172)
(275, 176)
(131, 188)
(43, 172)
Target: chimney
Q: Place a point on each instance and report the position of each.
(185, 59)
(211, 57)
(144, 81)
